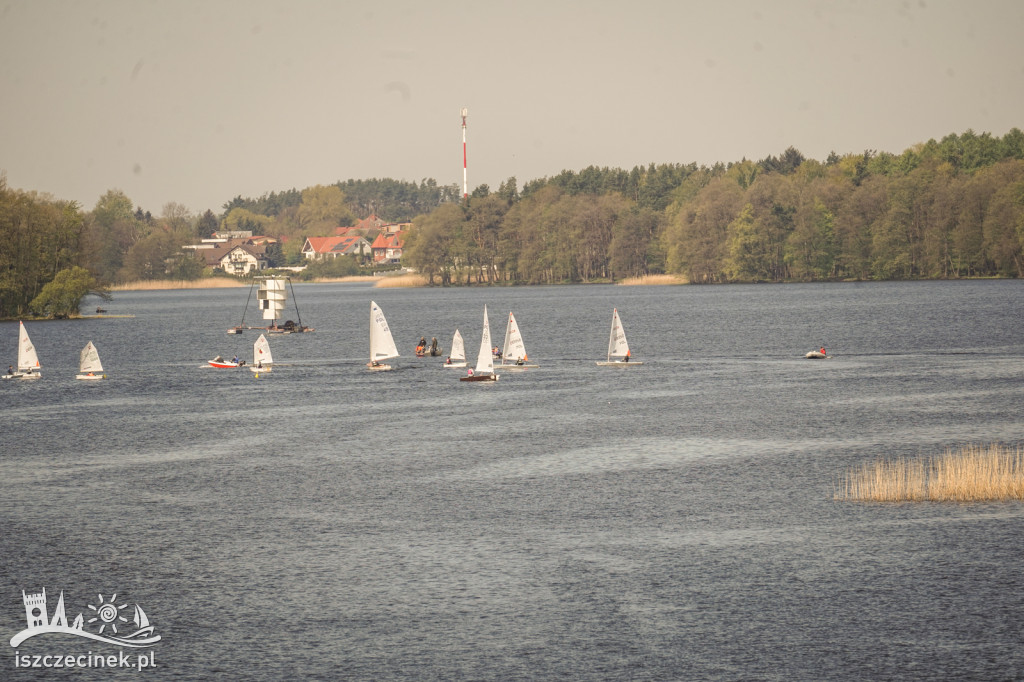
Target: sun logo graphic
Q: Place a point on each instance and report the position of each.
(108, 614)
(137, 632)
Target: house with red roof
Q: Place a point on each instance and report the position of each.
(322, 248)
(387, 247)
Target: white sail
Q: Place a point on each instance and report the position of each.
(514, 348)
(140, 618)
(485, 359)
(617, 346)
(458, 348)
(89, 360)
(382, 344)
(261, 352)
(27, 358)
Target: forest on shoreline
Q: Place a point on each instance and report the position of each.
(952, 208)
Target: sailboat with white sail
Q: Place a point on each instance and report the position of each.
(89, 365)
(28, 361)
(484, 370)
(262, 359)
(618, 347)
(458, 356)
(513, 353)
(382, 344)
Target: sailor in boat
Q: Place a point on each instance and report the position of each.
(495, 352)
(421, 347)
(522, 360)
(434, 352)
(469, 372)
(625, 358)
(448, 361)
(822, 351)
(10, 368)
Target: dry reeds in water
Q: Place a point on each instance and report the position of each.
(410, 280)
(652, 280)
(160, 284)
(971, 473)
(346, 279)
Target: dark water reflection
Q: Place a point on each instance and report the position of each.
(673, 521)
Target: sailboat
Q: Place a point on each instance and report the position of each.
(382, 344)
(458, 356)
(513, 353)
(484, 370)
(617, 346)
(262, 360)
(28, 361)
(89, 366)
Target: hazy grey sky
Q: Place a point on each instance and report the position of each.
(197, 102)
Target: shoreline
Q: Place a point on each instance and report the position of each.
(218, 283)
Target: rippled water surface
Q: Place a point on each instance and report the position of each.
(669, 521)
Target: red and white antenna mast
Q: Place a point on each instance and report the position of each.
(465, 185)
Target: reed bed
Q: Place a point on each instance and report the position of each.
(652, 280)
(970, 473)
(409, 280)
(346, 278)
(160, 284)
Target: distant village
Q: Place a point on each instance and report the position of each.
(241, 253)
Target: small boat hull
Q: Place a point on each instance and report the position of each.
(815, 355)
(264, 368)
(518, 367)
(23, 375)
(380, 367)
(90, 377)
(223, 365)
(619, 363)
(456, 365)
(480, 377)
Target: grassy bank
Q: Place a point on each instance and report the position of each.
(410, 280)
(653, 279)
(160, 284)
(219, 283)
(971, 473)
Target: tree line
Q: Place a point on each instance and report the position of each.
(942, 209)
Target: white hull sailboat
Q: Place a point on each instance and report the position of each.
(89, 366)
(513, 353)
(262, 360)
(28, 361)
(382, 344)
(458, 356)
(618, 347)
(484, 370)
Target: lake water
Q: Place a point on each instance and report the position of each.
(665, 522)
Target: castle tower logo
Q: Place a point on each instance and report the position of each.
(108, 619)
